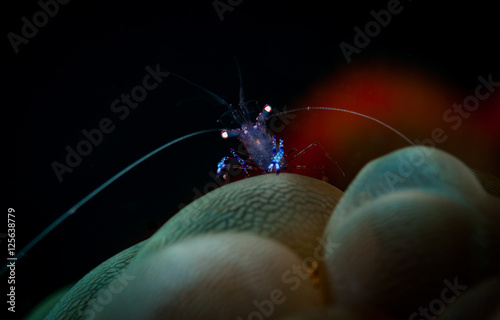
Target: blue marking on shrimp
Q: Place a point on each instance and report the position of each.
(240, 161)
(275, 165)
(221, 165)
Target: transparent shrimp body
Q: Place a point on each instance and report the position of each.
(258, 143)
(261, 147)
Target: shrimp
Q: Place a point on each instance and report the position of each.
(264, 151)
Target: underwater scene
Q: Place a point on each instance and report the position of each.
(234, 159)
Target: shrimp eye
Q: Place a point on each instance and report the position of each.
(224, 134)
(267, 108)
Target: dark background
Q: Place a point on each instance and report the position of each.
(65, 78)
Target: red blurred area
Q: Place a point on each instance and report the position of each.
(410, 100)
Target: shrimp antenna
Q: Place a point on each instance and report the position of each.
(234, 112)
(240, 78)
(80, 203)
(216, 97)
(343, 110)
(242, 104)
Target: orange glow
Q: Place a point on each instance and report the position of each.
(410, 100)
